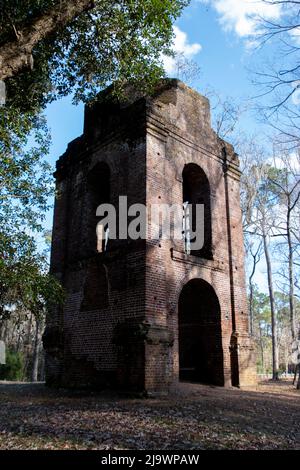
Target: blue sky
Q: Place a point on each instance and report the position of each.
(216, 34)
(219, 35)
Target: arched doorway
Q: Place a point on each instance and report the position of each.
(199, 334)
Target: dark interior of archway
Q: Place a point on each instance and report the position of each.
(200, 340)
(196, 190)
(95, 294)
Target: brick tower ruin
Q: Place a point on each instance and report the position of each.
(142, 315)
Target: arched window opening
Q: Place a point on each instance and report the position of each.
(196, 190)
(99, 193)
(95, 292)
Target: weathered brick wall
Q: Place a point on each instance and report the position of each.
(179, 133)
(102, 289)
(119, 323)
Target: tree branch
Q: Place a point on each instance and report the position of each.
(17, 54)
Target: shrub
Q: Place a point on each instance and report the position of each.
(14, 367)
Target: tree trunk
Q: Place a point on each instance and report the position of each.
(273, 312)
(16, 55)
(251, 301)
(5, 334)
(42, 365)
(256, 259)
(261, 351)
(286, 359)
(19, 341)
(291, 276)
(36, 351)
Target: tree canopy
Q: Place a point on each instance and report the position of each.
(108, 42)
(49, 49)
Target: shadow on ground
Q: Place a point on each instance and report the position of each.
(196, 417)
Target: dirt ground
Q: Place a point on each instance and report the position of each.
(197, 417)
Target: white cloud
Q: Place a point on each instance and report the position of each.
(181, 46)
(291, 161)
(241, 16)
(296, 94)
(295, 34)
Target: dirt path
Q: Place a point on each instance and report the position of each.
(197, 417)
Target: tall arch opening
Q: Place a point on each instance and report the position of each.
(99, 193)
(95, 292)
(199, 334)
(196, 190)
